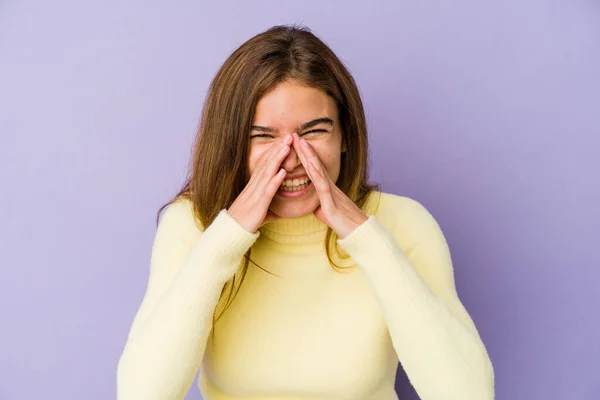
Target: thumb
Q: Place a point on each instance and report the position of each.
(270, 217)
(319, 214)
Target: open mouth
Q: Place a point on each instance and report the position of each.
(295, 188)
(295, 191)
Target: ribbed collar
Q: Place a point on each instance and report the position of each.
(300, 230)
(307, 229)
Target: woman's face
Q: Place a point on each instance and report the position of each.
(282, 111)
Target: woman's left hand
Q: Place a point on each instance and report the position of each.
(336, 209)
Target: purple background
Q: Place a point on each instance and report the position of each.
(487, 114)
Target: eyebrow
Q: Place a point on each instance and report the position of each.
(299, 128)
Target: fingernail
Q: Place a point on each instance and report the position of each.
(304, 142)
(288, 139)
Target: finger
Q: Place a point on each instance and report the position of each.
(323, 186)
(272, 163)
(307, 154)
(274, 160)
(302, 155)
(266, 156)
(273, 185)
(270, 160)
(296, 145)
(313, 158)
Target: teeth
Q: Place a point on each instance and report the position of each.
(294, 182)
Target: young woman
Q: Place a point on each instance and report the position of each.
(278, 271)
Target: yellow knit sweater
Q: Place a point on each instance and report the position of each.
(303, 330)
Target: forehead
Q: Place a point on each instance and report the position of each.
(290, 103)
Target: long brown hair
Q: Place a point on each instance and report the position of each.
(217, 170)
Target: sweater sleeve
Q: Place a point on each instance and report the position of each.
(168, 335)
(434, 337)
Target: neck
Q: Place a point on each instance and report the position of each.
(298, 230)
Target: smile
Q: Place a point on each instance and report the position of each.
(294, 184)
(295, 191)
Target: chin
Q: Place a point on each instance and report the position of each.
(293, 208)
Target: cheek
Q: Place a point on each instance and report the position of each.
(329, 161)
(253, 157)
(328, 151)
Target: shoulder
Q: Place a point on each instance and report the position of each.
(178, 220)
(406, 218)
(396, 209)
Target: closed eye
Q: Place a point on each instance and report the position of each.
(306, 133)
(314, 131)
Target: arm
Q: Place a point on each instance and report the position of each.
(188, 270)
(434, 336)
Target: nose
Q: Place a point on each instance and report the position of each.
(291, 161)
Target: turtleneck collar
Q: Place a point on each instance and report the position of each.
(308, 229)
(300, 230)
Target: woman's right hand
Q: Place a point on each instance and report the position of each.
(251, 208)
